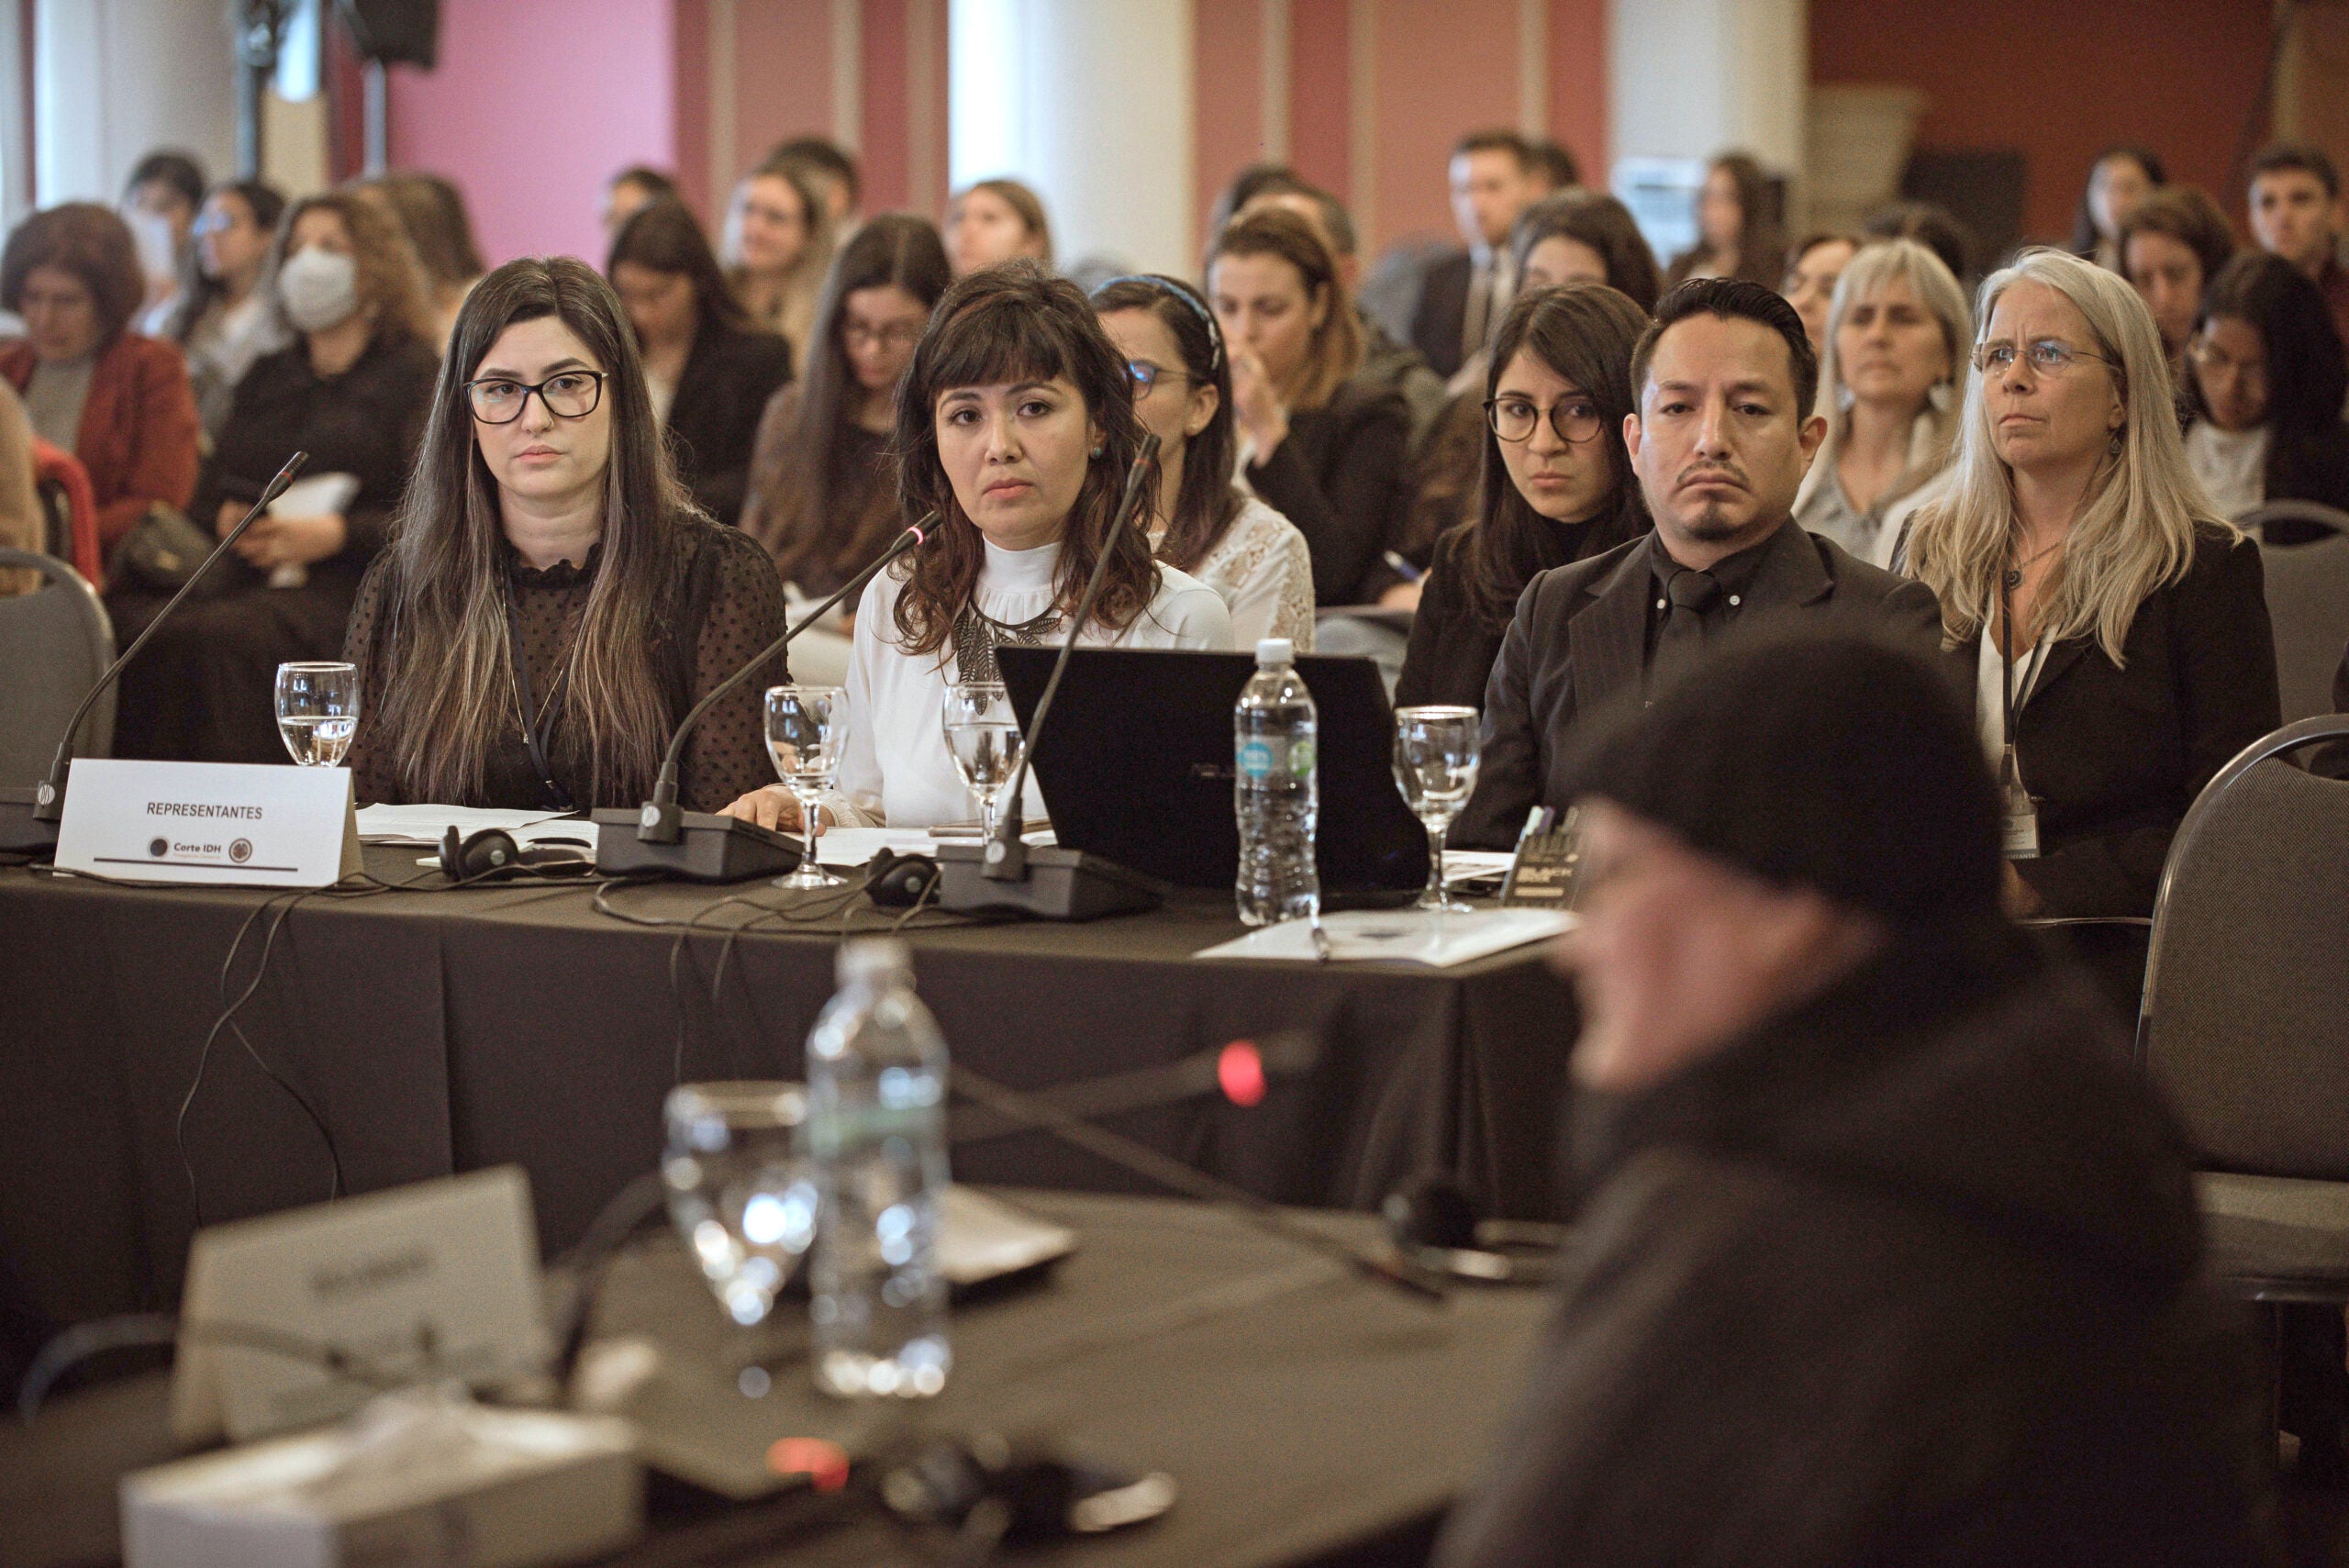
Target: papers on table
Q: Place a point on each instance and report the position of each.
(1401, 935)
(423, 825)
(851, 847)
(1475, 865)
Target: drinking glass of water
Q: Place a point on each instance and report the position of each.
(740, 1193)
(1435, 763)
(983, 734)
(318, 709)
(806, 725)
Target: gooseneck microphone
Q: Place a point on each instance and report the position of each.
(39, 831)
(699, 845)
(1080, 887)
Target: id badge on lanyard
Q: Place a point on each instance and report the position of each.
(2017, 812)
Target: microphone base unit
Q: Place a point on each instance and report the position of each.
(21, 832)
(711, 848)
(1060, 885)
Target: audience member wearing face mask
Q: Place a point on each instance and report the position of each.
(2265, 382)
(823, 495)
(1719, 440)
(1557, 482)
(116, 399)
(1016, 426)
(1322, 445)
(1889, 386)
(225, 315)
(351, 391)
(1201, 523)
(709, 368)
(553, 603)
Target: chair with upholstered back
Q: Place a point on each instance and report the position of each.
(2304, 552)
(64, 488)
(54, 643)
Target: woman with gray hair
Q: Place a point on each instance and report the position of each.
(2091, 588)
(1897, 332)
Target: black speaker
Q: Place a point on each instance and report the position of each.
(397, 32)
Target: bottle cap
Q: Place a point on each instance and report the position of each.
(873, 958)
(1274, 651)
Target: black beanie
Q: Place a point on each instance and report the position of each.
(1824, 759)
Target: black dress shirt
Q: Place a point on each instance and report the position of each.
(1339, 478)
(1581, 638)
(714, 421)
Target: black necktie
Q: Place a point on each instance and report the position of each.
(1682, 640)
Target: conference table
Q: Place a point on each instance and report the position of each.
(436, 1029)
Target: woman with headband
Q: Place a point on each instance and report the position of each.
(1203, 523)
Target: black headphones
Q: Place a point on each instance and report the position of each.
(493, 855)
(1435, 1224)
(900, 881)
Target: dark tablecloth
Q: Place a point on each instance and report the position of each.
(447, 1030)
(1306, 1416)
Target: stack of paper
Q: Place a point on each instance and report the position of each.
(1401, 935)
(423, 825)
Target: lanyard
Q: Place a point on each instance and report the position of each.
(557, 796)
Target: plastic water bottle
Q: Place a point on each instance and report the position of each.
(1274, 790)
(876, 1134)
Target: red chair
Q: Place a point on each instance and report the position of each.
(58, 474)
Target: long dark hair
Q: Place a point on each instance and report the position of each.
(1017, 322)
(198, 291)
(1585, 333)
(2307, 372)
(663, 236)
(802, 521)
(450, 702)
(1598, 220)
(433, 212)
(1760, 246)
(1207, 500)
(1336, 351)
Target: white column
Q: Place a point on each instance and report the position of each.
(116, 79)
(1089, 102)
(1689, 78)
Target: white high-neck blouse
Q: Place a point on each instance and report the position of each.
(895, 768)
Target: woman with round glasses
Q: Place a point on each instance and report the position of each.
(2078, 562)
(552, 602)
(1898, 332)
(1557, 483)
(1016, 426)
(823, 495)
(2264, 380)
(352, 390)
(1202, 523)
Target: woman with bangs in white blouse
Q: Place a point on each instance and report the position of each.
(1016, 425)
(1206, 525)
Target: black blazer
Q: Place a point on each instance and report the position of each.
(2115, 753)
(1339, 478)
(1451, 649)
(1440, 317)
(1578, 644)
(714, 423)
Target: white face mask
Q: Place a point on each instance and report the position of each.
(321, 288)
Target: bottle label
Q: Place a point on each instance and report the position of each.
(1261, 760)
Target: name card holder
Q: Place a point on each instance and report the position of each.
(233, 823)
(414, 1284)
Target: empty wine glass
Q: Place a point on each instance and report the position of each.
(740, 1193)
(1435, 763)
(318, 710)
(983, 734)
(805, 730)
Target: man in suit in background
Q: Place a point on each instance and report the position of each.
(1723, 434)
(1463, 294)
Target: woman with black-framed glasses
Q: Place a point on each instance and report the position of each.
(551, 601)
(1557, 483)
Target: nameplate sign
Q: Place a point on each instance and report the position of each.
(413, 1285)
(222, 822)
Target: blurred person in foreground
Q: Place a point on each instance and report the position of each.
(1884, 1252)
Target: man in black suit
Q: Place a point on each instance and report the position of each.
(1463, 293)
(1725, 377)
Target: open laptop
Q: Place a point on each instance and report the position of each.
(1136, 766)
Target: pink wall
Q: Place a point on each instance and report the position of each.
(534, 103)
